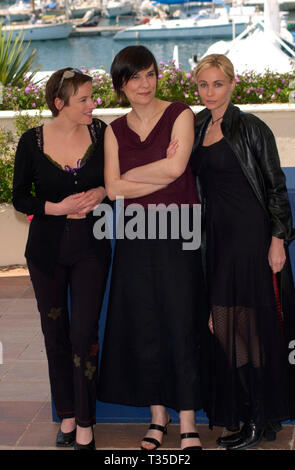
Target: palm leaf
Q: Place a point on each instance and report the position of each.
(15, 61)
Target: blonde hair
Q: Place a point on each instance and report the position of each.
(216, 60)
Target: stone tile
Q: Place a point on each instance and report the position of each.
(29, 293)
(11, 432)
(4, 368)
(14, 287)
(4, 304)
(24, 391)
(36, 349)
(12, 350)
(29, 371)
(19, 411)
(39, 435)
(22, 307)
(44, 415)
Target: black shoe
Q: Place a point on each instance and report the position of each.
(232, 438)
(251, 438)
(190, 435)
(271, 430)
(152, 440)
(65, 439)
(90, 446)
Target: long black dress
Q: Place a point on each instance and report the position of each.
(151, 343)
(248, 371)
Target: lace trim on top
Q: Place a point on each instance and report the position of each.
(93, 128)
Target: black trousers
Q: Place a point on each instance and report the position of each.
(72, 343)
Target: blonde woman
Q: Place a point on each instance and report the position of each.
(248, 220)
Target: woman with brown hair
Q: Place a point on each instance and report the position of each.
(64, 161)
(247, 223)
(151, 346)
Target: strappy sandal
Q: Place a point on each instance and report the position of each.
(190, 435)
(152, 440)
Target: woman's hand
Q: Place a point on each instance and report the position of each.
(210, 324)
(77, 204)
(170, 152)
(172, 147)
(276, 255)
(92, 198)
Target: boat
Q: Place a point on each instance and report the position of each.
(207, 24)
(284, 5)
(19, 11)
(40, 31)
(117, 8)
(264, 45)
(78, 8)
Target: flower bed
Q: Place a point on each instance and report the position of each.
(174, 85)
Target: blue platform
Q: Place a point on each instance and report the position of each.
(109, 413)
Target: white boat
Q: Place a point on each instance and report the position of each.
(41, 32)
(117, 8)
(265, 45)
(204, 25)
(284, 5)
(78, 9)
(19, 11)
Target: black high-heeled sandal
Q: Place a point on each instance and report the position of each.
(191, 435)
(152, 440)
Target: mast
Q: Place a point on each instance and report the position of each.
(272, 17)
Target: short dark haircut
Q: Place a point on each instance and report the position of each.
(128, 62)
(68, 88)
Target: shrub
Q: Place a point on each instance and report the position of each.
(7, 150)
(8, 145)
(174, 85)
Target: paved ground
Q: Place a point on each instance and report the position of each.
(25, 411)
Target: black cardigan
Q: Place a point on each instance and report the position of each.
(52, 183)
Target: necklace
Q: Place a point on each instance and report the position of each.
(211, 123)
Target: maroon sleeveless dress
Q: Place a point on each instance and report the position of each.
(150, 354)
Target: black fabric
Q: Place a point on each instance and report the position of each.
(249, 367)
(254, 146)
(53, 184)
(72, 344)
(151, 345)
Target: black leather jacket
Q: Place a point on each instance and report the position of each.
(254, 145)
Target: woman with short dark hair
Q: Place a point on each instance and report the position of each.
(151, 346)
(64, 161)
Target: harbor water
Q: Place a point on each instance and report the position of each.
(99, 51)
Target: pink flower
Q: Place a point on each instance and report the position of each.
(188, 75)
(27, 89)
(99, 101)
(34, 105)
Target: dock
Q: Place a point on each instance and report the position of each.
(96, 30)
